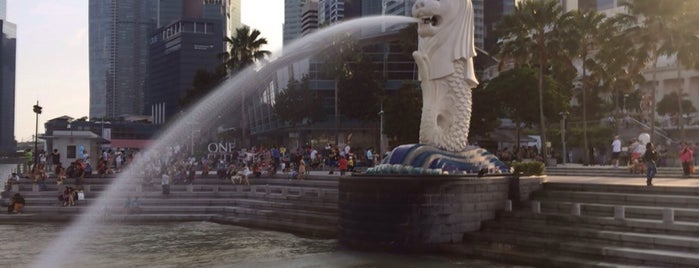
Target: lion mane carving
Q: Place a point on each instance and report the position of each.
(445, 62)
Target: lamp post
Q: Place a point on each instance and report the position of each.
(563, 134)
(381, 141)
(625, 96)
(191, 135)
(37, 111)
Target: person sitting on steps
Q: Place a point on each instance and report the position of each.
(17, 204)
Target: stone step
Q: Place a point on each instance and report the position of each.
(630, 212)
(592, 235)
(80, 208)
(621, 188)
(254, 191)
(609, 172)
(640, 199)
(305, 229)
(120, 217)
(330, 208)
(305, 217)
(577, 249)
(507, 254)
(688, 229)
(311, 180)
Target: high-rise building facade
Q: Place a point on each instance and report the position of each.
(191, 42)
(3, 9)
(292, 19)
(234, 16)
(177, 52)
(493, 11)
(8, 50)
(118, 41)
(309, 17)
(334, 11)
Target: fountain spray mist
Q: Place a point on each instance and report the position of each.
(222, 100)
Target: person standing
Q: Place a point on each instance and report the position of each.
(342, 163)
(616, 150)
(687, 159)
(649, 157)
(302, 169)
(165, 183)
(55, 158)
(369, 157)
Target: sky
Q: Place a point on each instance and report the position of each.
(52, 55)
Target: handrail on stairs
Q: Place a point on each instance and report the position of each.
(658, 131)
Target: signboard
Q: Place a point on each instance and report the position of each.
(221, 147)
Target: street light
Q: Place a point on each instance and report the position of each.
(37, 111)
(191, 135)
(381, 141)
(625, 96)
(563, 134)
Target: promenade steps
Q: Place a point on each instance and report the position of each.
(608, 171)
(659, 228)
(307, 207)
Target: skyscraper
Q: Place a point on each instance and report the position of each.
(309, 21)
(3, 9)
(493, 11)
(8, 50)
(118, 32)
(177, 52)
(190, 42)
(234, 16)
(292, 19)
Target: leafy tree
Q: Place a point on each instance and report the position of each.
(617, 64)
(582, 31)
(668, 106)
(684, 44)
(402, 115)
(246, 49)
(514, 87)
(647, 24)
(483, 117)
(202, 84)
(337, 57)
(407, 39)
(359, 90)
(531, 30)
(298, 104)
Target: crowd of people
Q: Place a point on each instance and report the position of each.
(519, 154)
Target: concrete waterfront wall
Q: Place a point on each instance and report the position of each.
(409, 213)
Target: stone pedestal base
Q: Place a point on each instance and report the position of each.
(409, 213)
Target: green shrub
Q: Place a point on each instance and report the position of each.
(529, 168)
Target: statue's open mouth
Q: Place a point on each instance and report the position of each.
(432, 20)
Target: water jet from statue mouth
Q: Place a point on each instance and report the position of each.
(431, 20)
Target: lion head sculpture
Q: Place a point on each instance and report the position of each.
(445, 33)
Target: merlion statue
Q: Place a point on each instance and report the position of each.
(445, 62)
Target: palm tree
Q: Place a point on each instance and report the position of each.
(245, 49)
(530, 30)
(683, 43)
(580, 35)
(617, 63)
(647, 24)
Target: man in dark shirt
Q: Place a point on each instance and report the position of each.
(55, 158)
